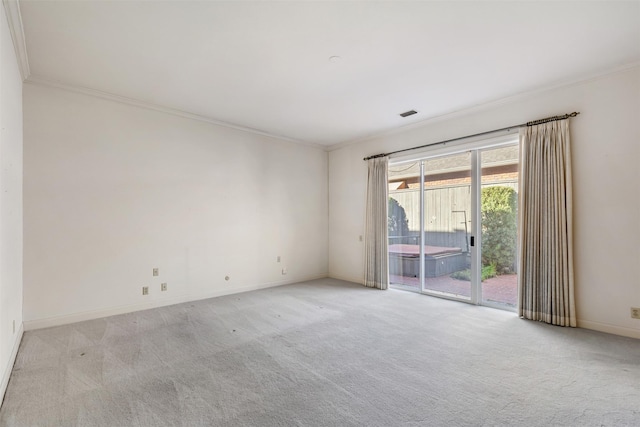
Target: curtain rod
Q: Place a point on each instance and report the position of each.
(533, 123)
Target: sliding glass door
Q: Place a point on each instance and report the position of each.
(453, 225)
(404, 225)
(447, 225)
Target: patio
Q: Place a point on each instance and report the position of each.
(501, 289)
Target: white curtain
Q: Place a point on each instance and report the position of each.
(376, 264)
(546, 290)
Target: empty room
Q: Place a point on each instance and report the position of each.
(319, 213)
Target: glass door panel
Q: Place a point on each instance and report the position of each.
(404, 225)
(447, 226)
(498, 207)
(453, 226)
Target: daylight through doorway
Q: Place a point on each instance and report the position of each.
(452, 225)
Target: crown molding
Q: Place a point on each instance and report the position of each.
(14, 19)
(42, 81)
(478, 108)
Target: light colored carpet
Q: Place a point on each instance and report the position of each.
(322, 353)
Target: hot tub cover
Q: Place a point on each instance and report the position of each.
(414, 250)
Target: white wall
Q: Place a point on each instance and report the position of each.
(10, 203)
(112, 191)
(606, 151)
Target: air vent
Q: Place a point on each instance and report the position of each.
(408, 113)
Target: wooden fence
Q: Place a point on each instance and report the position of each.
(448, 211)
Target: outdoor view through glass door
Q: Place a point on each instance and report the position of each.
(499, 216)
(449, 211)
(447, 225)
(404, 225)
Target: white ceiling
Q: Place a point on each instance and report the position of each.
(265, 65)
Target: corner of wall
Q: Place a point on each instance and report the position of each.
(11, 201)
(6, 375)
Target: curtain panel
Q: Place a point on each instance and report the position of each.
(546, 281)
(376, 263)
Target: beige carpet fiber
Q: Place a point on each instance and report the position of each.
(322, 353)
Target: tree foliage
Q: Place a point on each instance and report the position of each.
(499, 227)
(397, 221)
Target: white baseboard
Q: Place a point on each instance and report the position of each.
(358, 280)
(610, 329)
(112, 311)
(12, 360)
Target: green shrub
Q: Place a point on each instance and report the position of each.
(488, 271)
(397, 221)
(499, 228)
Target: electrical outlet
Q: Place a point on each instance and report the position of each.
(360, 237)
(284, 271)
(278, 260)
(163, 287)
(145, 290)
(635, 312)
(156, 272)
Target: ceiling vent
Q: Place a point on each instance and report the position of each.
(408, 113)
